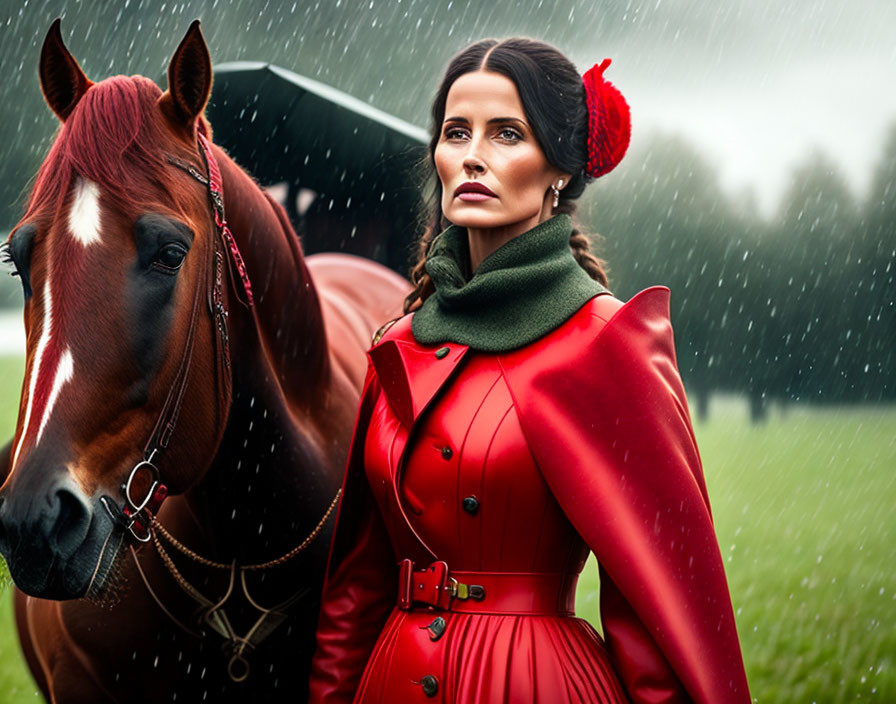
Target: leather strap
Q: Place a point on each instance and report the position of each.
(521, 593)
(216, 191)
(529, 593)
(167, 419)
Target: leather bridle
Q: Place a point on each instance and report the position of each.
(133, 514)
(138, 516)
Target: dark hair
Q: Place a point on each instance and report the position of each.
(553, 99)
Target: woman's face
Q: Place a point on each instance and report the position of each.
(493, 172)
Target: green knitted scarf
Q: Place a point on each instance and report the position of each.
(520, 292)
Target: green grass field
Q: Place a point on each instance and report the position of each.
(16, 684)
(804, 510)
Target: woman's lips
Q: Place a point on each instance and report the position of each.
(473, 192)
(474, 197)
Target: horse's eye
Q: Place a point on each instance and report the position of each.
(170, 257)
(16, 255)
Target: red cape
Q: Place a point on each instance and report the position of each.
(604, 411)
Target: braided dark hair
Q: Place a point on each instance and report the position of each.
(553, 99)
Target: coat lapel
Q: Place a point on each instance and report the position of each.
(412, 375)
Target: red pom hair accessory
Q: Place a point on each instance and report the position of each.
(609, 122)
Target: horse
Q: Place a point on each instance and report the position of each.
(190, 387)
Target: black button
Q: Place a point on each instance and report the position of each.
(430, 685)
(447, 453)
(442, 352)
(470, 504)
(436, 628)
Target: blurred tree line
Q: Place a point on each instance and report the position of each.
(800, 307)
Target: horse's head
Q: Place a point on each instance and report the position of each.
(116, 257)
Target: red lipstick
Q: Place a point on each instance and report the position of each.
(473, 191)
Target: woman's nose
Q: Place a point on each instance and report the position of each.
(473, 164)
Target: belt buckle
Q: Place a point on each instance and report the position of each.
(428, 586)
(436, 591)
(459, 590)
(433, 586)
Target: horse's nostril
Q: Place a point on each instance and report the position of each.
(70, 521)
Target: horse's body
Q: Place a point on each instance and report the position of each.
(251, 478)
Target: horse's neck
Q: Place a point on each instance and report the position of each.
(275, 470)
(287, 316)
(269, 483)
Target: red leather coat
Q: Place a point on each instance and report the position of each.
(509, 467)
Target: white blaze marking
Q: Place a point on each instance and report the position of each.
(35, 369)
(84, 225)
(63, 374)
(84, 218)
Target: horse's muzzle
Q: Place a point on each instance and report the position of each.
(53, 539)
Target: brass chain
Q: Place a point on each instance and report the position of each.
(304, 544)
(178, 577)
(157, 527)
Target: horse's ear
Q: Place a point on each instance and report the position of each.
(189, 78)
(61, 79)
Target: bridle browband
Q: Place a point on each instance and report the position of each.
(138, 516)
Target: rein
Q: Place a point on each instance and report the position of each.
(212, 613)
(138, 516)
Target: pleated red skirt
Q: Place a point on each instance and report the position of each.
(489, 659)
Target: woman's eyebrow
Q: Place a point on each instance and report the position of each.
(495, 120)
(492, 121)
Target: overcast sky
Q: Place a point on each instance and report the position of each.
(760, 83)
(754, 84)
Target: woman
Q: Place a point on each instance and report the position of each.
(516, 418)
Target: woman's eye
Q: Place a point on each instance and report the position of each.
(509, 135)
(455, 133)
(170, 257)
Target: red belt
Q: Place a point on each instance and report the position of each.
(531, 593)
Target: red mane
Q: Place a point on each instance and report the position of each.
(115, 138)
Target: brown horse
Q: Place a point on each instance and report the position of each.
(153, 363)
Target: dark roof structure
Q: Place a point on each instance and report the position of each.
(349, 169)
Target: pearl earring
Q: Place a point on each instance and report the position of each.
(556, 190)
